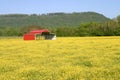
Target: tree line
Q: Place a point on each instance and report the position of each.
(108, 28)
(93, 24)
(51, 19)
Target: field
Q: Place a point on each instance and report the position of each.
(67, 58)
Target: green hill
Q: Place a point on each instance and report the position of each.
(51, 19)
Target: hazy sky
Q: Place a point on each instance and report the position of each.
(109, 8)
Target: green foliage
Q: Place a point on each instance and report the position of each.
(63, 24)
(66, 31)
(10, 31)
(109, 28)
(51, 19)
(118, 19)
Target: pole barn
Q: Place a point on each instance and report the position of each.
(33, 35)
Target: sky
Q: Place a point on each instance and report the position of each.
(109, 8)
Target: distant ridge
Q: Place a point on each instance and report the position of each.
(51, 19)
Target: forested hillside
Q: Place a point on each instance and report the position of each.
(62, 24)
(50, 19)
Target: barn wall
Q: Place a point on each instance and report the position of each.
(28, 37)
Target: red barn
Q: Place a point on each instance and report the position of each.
(32, 35)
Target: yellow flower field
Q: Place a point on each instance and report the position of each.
(67, 58)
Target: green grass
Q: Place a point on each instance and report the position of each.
(70, 58)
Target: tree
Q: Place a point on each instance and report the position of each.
(118, 19)
(109, 28)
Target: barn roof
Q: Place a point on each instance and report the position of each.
(39, 31)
